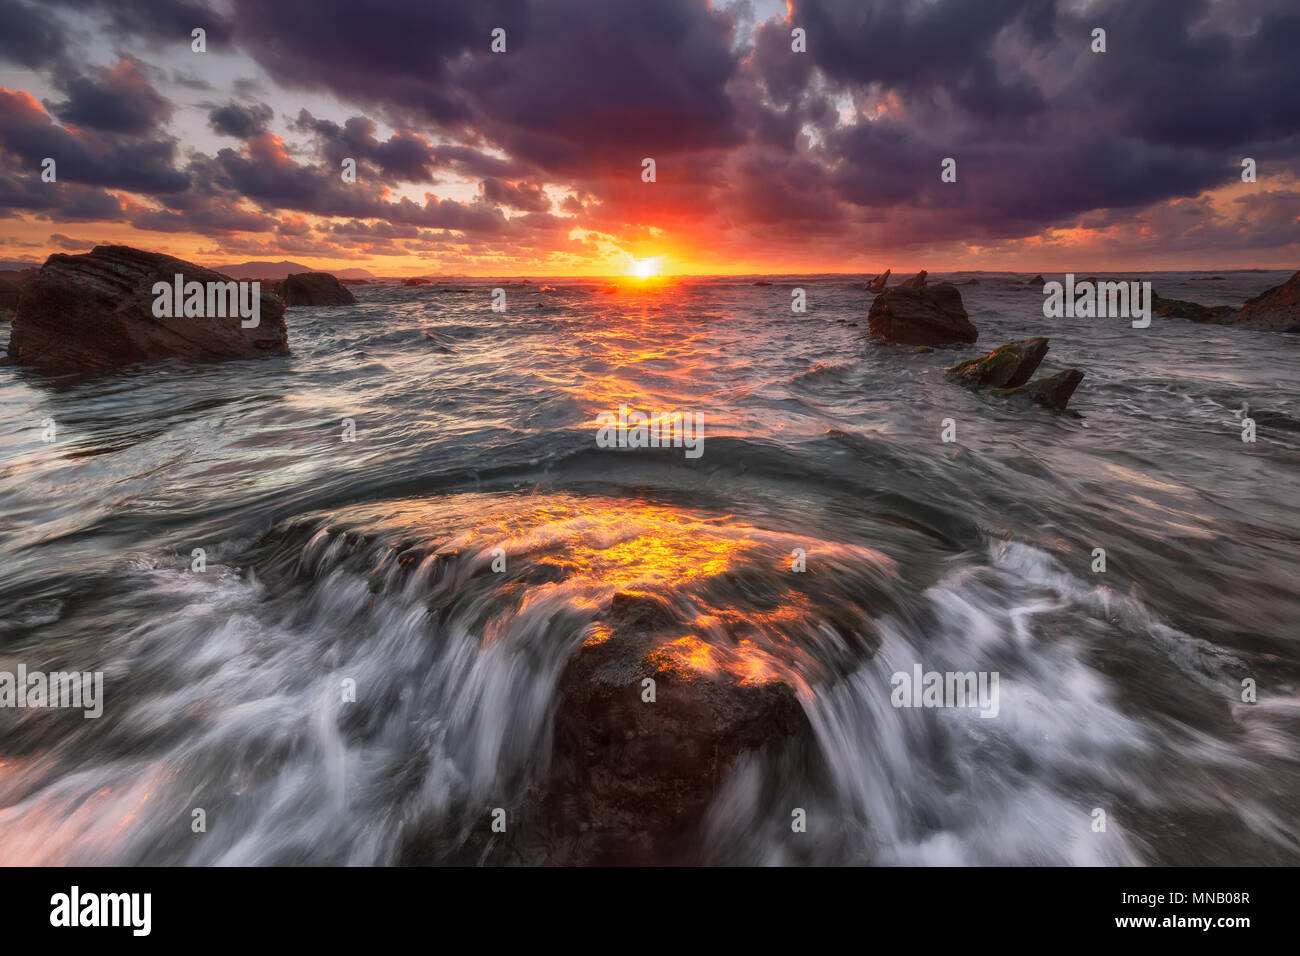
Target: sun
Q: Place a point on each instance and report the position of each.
(645, 268)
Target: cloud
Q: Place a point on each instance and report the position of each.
(112, 100)
(241, 122)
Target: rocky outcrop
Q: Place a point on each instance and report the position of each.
(1007, 369)
(96, 311)
(643, 773)
(1178, 308)
(1051, 392)
(1007, 366)
(878, 283)
(416, 281)
(316, 288)
(12, 285)
(926, 316)
(1037, 281)
(1277, 310)
(916, 282)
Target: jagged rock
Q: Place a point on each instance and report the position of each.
(1037, 280)
(929, 316)
(316, 288)
(95, 311)
(1276, 310)
(1190, 310)
(878, 283)
(916, 282)
(1007, 366)
(1052, 392)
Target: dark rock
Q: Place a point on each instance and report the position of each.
(12, 285)
(1036, 280)
(762, 282)
(971, 282)
(916, 282)
(1052, 392)
(416, 281)
(1276, 310)
(928, 316)
(878, 283)
(356, 281)
(642, 774)
(95, 311)
(316, 288)
(1007, 366)
(1190, 310)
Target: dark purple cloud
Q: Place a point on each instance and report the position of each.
(241, 122)
(116, 100)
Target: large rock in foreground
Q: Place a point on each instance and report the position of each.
(96, 311)
(12, 286)
(316, 288)
(642, 774)
(1007, 366)
(933, 315)
(1276, 310)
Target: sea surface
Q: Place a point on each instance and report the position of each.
(1122, 736)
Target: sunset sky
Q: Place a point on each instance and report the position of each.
(529, 162)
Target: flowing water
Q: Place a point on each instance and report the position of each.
(372, 561)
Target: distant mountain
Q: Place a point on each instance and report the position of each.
(278, 270)
(15, 265)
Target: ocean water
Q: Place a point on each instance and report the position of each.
(1120, 691)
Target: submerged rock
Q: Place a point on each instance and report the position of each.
(1007, 366)
(1275, 310)
(1190, 310)
(642, 774)
(926, 316)
(96, 310)
(316, 288)
(878, 283)
(1052, 392)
